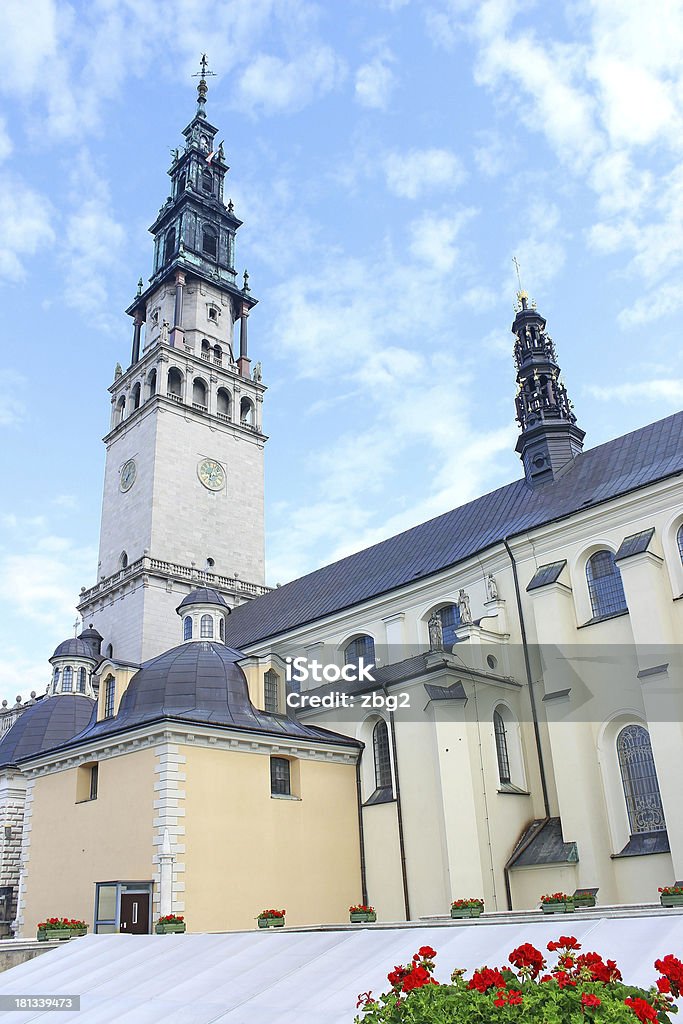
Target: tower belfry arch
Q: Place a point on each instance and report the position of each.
(183, 489)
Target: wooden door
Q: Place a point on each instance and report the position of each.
(135, 913)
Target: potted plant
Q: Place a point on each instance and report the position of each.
(583, 898)
(671, 895)
(467, 908)
(576, 986)
(557, 903)
(60, 928)
(271, 919)
(360, 914)
(169, 924)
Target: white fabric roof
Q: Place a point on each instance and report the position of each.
(298, 977)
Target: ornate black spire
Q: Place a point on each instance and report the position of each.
(549, 436)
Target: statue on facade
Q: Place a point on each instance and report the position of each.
(464, 607)
(257, 375)
(163, 333)
(118, 372)
(491, 587)
(435, 632)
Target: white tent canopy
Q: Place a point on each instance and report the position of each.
(300, 977)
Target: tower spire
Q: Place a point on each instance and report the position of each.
(549, 437)
(202, 87)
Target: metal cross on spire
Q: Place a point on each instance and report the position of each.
(519, 279)
(203, 64)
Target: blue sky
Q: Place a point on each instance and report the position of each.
(388, 159)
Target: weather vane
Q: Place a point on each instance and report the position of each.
(203, 63)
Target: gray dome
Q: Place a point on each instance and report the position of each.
(73, 648)
(90, 634)
(203, 595)
(48, 723)
(199, 682)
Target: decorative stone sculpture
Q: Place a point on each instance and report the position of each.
(435, 632)
(464, 607)
(258, 372)
(491, 587)
(163, 333)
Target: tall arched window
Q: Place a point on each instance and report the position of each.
(246, 412)
(362, 647)
(639, 778)
(109, 696)
(169, 245)
(206, 627)
(81, 680)
(221, 628)
(55, 681)
(123, 560)
(136, 396)
(217, 355)
(380, 747)
(501, 747)
(68, 679)
(206, 350)
(604, 585)
(209, 242)
(175, 382)
(182, 181)
(450, 620)
(223, 403)
(271, 682)
(120, 410)
(199, 393)
(679, 540)
(187, 627)
(151, 383)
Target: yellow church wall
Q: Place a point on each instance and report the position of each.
(639, 878)
(74, 845)
(383, 861)
(529, 884)
(246, 851)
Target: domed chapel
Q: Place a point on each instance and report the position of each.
(513, 723)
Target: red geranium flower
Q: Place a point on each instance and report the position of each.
(672, 969)
(528, 959)
(642, 1009)
(589, 1000)
(426, 952)
(485, 978)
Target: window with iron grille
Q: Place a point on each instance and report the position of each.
(67, 679)
(187, 627)
(450, 620)
(206, 627)
(280, 784)
(501, 747)
(604, 585)
(639, 778)
(362, 647)
(679, 538)
(380, 745)
(109, 695)
(271, 682)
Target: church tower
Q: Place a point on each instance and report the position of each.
(183, 486)
(549, 437)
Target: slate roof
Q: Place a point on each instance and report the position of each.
(546, 846)
(597, 475)
(74, 648)
(203, 595)
(50, 722)
(546, 574)
(636, 544)
(200, 682)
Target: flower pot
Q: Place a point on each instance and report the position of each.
(362, 917)
(466, 911)
(169, 928)
(671, 899)
(584, 901)
(271, 922)
(47, 934)
(558, 908)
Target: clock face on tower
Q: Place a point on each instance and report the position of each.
(211, 474)
(128, 474)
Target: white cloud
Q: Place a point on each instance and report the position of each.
(433, 240)
(375, 81)
(25, 226)
(669, 391)
(417, 171)
(271, 84)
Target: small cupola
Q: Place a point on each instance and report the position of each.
(73, 663)
(203, 613)
(94, 639)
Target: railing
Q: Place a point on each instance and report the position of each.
(156, 565)
(205, 355)
(198, 405)
(175, 398)
(218, 360)
(224, 416)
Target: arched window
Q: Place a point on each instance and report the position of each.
(187, 627)
(218, 355)
(209, 242)
(136, 396)
(151, 383)
(450, 620)
(380, 747)
(223, 403)
(221, 628)
(501, 747)
(110, 651)
(362, 647)
(123, 560)
(206, 627)
(246, 412)
(182, 180)
(207, 182)
(206, 349)
(120, 410)
(679, 540)
(604, 585)
(169, 245)
(81, 680)
(280, 777)
(68, 679)
(55, 681)
(109, 696)
(271, 683)
(639, 778)
(175, 382)
(199, 393)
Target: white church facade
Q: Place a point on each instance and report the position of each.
(517, 728)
